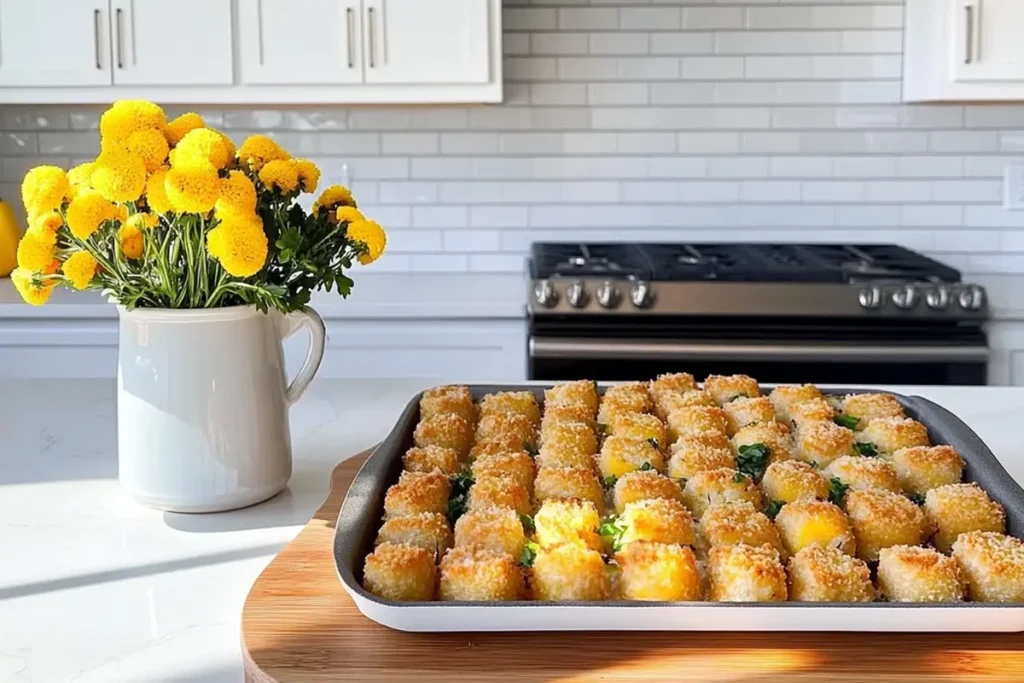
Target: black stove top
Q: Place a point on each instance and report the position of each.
(834, 263)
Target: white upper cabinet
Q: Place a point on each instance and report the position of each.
(964, 50)
(184, 42)
(442, 41)
(241, 52)
(314, 42)
(56, 43)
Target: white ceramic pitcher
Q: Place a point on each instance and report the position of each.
(202, 404)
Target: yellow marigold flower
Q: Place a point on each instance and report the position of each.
(131, 237)
(78, 178)
(119, 176)
(120, 213)
(230, 145)
(80, 268)
(193, 188)
(332, 197)
(237, 195)
(240, 245)
(144, 220)
(48, 222)
(309, 174)
(127, 116)
(156, 193)
(43, 189)
(257, 150)
(87, 212)
(372, 235)
(202, 145)
(177, 127)
(33, 290)
(35, 250)
(150, 145)
(349, 214)
(280, 174)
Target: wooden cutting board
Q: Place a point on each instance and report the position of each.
(299, 625)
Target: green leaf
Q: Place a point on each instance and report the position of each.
(752, 460)
(917, 498)
(611, 530)
(531, 449)
(456, 507)
(866, 449)
(646, 467)
(602, 429)
(773, 508)
(654, 443)
(529, 554)
(609, 481)
(528, 524)
(739, 477)
(461, 483)
(848, 421)
(837, 491)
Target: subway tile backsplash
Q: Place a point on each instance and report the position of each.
(657, 119)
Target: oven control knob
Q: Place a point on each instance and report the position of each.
(641, 295)
(905, 297)
(545, 294)
(577, 294)
(608, 295)
(870, 297)
(972, 298)
(937, 299)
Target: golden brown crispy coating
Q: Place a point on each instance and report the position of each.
(446, 430)
(582, 392)
(867, 407)
(568, 521)
(881, 519)
(788, 481)
(428, 530)
(417, 492)
(620, 455)
(993, 566)
(819, 443)
(695, 453)
(664, 520)
(564, 483)
(724, 388)
(634, 486)
(500, 491)
(448, 399)
(569, 572)
(723, 485)
(518, 402)
(494, 528)
(813, 522)
(696, 420)
(396, 571)
(859, 473)
(921, 468)
(743, 573)
(783, 397)
(658, 571)
(890, 434)
(738, 523)
(518, 466)
(430, 458)
(828, 575)
(474, 573)
(909, 573)
(743, 411)
(958, 508)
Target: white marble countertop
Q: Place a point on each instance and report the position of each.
(94, 587)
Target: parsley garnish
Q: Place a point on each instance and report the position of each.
(737, 396)
(917, 498)
(654, 442)
(773, 508)
(528, 525)
(531, 449)
(739, 477)
(866, 449)
(609, 481)
(646, 467)
(458, 498)
(529, 554)
(611, 530)
(602, 429)
(753, 459)
(837, 491)
(848, 421)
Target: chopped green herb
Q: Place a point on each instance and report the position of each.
(753, 459)
(456, 507)
(528, 525)
(739, 477)
(865, 448)
(773, 508)
(531, 449)
(529, 554)
(917, 498)
(654, 442)
(611, 530)
(646, 467)
(602, 429)
(609, 481)
(458, 498)
(837, 491)
(737, 396)
(461, 483)
(848, 421)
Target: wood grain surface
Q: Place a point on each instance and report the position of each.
(299, 625)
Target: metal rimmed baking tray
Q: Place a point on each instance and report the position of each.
(360, 518)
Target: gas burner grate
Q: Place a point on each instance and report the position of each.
(615, 261)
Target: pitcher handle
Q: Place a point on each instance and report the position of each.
(312, 321)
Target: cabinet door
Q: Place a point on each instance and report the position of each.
(184, 42)
(987, 40)
(54, 43)
(308, 42)
(437, 42)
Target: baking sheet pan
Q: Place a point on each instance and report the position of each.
(360, 517)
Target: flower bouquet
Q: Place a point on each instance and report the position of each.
(211, 262)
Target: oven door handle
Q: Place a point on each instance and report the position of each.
(627, 349)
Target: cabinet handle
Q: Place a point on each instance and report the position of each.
(969, 53)
(349, 37)
(120, 48)
(96, 37)
(371, 31)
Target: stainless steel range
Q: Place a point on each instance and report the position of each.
(780, 312)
